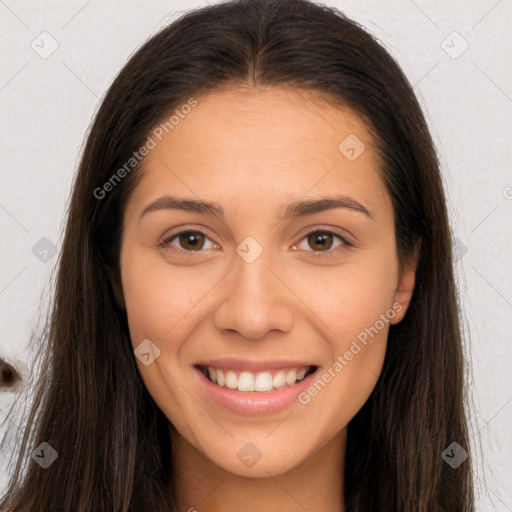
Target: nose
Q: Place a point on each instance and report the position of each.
(256, 300)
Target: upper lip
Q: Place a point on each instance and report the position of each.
(253, 366)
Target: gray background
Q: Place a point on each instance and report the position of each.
(47, 102)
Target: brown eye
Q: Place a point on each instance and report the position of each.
(191, 240)
(188, 241)
(321, 240)
(323, 243)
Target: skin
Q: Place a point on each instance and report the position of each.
(254, 151)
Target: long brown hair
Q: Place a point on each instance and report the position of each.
(91, 406)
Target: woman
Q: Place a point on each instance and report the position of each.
(255, 306)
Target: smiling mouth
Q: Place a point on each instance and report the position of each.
(265, 381)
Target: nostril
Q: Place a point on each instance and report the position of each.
(9, 376)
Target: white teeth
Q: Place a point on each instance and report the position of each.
(279, 380)
(246, 382)
(231, 380)
(291, 377)
(301, 373)
(262, 381)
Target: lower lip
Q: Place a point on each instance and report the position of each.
(254, 403)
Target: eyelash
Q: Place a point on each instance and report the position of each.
(166, 242)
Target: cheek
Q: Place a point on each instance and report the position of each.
(146, 302)
(351, 296)
(358, 318)
(157, 299)
(160, 307)
(355, 302)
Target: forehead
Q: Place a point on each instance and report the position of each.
(248, 120)
(254, 141)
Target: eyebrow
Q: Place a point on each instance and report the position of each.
(295, 209)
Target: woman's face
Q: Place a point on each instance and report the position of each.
(271, 288)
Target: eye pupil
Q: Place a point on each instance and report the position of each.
(319, 237)
(189, 240)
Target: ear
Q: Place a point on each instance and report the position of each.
(405, 286)
(118, 294)
(117, 288)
